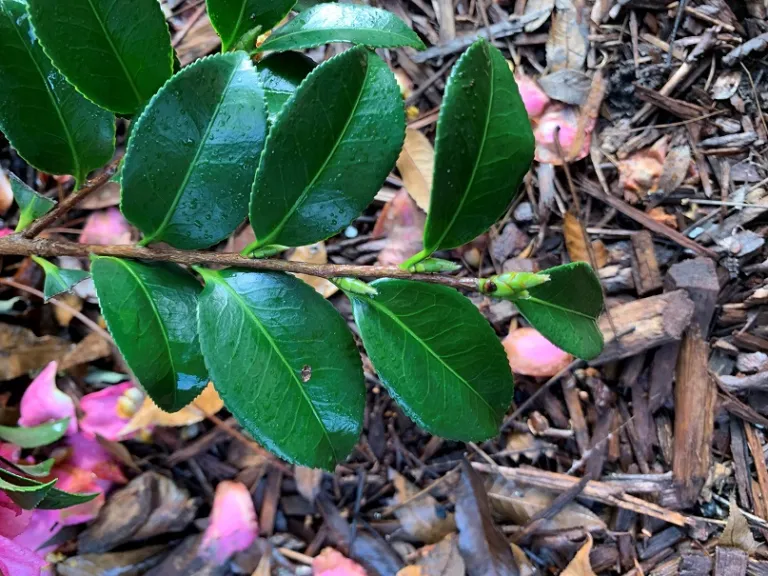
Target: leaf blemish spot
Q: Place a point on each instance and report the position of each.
(306, 373)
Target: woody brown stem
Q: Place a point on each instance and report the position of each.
(19, 245)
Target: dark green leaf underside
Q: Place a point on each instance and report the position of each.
(117, 53)
(285, 364)
(329, 22)
(150, 310)
(233, 18)
(47, 121)
(30, 494)
(565, 309)
(58, 280)
(438, 357)
(193, 154)
(35, 436)
(329, 151)
(483, 149)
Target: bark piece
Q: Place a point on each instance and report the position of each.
(699, 278)
(730, 562)
(645, 267)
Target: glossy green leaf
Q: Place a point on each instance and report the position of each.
(193, 154)
(35, 436)
(302, 5)
(30, 494)
(39, 470)
(50, 124)
(285, 364)
(280, 75)
(150, 310)
(31, 204)
(437, 356)
(329, 151)
(58, 280)
(233, 18)
(565, 309)
(483, 149)
(117, 53)
(329, 22)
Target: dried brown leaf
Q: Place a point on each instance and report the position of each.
(737, 533)
(677, 164)
(314, 254)
(308, 481)
(441, 559)
(484, 548)
(104, 197)
(207, 404)
(416, 165)
(64, 316)
(524, 565)
(518, 504)
(575, 238)
(726, 85)
(423, 517)
(569, 86)
(21, 352)
(567, 45)
(533, 6)
(198, 42)
(580, 565)
(526, 444)
(403, 224)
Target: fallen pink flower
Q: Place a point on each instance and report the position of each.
(567, 119)
(331, 562)
(103, 413)
(5, 232)
(639, 174)
(10, 451)
(233, 526)
(13, 519)
(106, 227)
(16, 560)
(531, 354)
(534, 98)
(43, 402)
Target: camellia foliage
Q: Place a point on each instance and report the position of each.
(300, 149)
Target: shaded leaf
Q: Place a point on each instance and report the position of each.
(566, 85)
(676, 167)
(567, 44)
(442, 559)
(193, 153)
(580, 565)
(45, 119)
(39, 470)
(116, 53)
(518, 505)
(484, 147)
(726, 85)
(233, 18)
(329, 22)
(23, 352)
(423, 517)
(340, 134)
(533, 6)
(438, 357)
(285, 364)
(58, 280)
(150, 310)
(737, 533)
(26, 497)
(30, 494)
(416, 165)
(484, 548)
(280, 75)
(565, 309)
(31, 204)
(35, 436)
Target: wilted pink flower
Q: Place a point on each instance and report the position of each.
(534, 98)
(16, 560)
(13, 520)
(567, 119)
(232, 526)
(10, 451)
(43, 402)
(106, 227)
(531, 354)
(103, 414)
(330, 562)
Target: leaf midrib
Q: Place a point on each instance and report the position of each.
(448, 228)
(300, 200)
(558, 307)
(75, 158)
(180, 192)
(139, 100)
(290, 369)
(159, 321)
(413, 335)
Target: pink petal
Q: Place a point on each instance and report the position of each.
(531, 354)
(534, 98)
(10, 451)
(567, 119)
(43, 402)
(106, 227)
(88, 454)
(5, 232)
(15, 560)
(43, 526)
(13, 520)
(102, 415)
(232, 526)
(330, 562)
